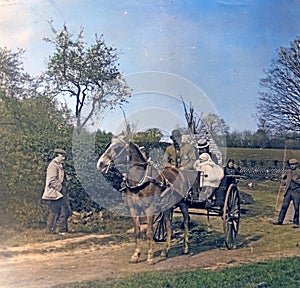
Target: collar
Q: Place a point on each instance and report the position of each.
(57, 162)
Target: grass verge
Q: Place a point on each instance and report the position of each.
(275, 273)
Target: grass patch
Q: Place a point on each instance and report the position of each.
(275, 273)
(256, 229)
(261, 154)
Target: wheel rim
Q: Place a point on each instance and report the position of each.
(231, 216)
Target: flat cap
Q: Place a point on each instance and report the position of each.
(60, 151)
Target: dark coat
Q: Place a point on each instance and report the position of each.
(292, 180)
(181, 157)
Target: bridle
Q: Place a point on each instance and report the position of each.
(111, 161)
(146, 178)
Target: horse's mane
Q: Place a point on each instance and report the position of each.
(134, 146)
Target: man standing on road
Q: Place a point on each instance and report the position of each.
(292, 192)
(56, 193)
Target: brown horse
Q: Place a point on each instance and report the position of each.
(148, 191)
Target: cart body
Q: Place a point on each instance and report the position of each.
(224, 202)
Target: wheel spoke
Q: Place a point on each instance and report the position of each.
(231, 216)
(159, 228)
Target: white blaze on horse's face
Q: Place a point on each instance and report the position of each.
(113, 154)
(103, 162)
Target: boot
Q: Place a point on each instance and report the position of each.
(51, 223)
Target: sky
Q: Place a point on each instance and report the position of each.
(214, 52)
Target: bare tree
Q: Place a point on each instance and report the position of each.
(215, 125)
(191, 119)
(14, 81)
(279, 101)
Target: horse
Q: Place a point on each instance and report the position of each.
(148, 191)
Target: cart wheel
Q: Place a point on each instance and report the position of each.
(231, 216)
(159, 228)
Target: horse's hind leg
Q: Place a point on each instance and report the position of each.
(186, 218)
(167, 221)
(137, 231)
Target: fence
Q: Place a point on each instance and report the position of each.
(262, 169)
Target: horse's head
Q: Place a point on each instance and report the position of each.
(115, 153)
(120, 152)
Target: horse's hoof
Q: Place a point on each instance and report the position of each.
(133, 260)
(163, 254)
(150, 261)
(186, 251)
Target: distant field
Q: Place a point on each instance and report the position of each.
(261, 154)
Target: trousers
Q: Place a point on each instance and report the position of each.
(285, 205)
(291, 195)
(296, 203)
(58, 216)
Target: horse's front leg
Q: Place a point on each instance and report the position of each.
(137, 232)
(150, 238)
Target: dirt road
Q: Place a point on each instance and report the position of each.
(49, 264)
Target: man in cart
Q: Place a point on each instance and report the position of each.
(178, 154)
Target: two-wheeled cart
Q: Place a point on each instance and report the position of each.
(228, 209)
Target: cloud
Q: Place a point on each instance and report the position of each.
(20, 21)
(14, 25)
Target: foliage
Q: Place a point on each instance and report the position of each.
(279, 99)
(102, 139)
(37, 129)
(149, 136)
(149, 142)
(32, 126)
(90, 74)
(14, 81)
(261, 139)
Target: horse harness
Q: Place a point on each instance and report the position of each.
(146, 179)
